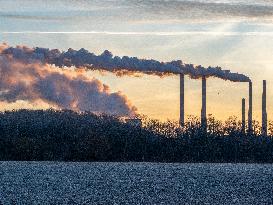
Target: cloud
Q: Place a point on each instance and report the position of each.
(148, 10)
(61, 88)
(119, 65)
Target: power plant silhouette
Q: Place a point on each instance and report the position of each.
(204, 109)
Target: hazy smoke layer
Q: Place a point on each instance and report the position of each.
(119, 65)
(60, 88)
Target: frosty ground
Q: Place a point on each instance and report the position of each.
(134, 183)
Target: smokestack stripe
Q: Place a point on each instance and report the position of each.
(250, 128)
(243, 115)
(182, 100)
(264, 112)
(204, 102)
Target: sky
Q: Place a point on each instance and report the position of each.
(236, 35)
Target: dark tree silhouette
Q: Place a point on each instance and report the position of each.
(71, 136)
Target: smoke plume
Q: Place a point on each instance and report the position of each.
(120, 65)
(61, 88)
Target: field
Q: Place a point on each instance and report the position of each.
(134, 183)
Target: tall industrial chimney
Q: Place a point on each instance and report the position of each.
(243, 115)
(182, 98)
(264, 113)
(204, 107)
(250, 129)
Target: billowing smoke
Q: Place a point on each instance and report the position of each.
(61, 88)
(120, 65)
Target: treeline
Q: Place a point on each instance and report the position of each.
(71, 136)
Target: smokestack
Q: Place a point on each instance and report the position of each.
(243, 115)
(264, 113)
(182, 98)
(250, 129)
(204, 108)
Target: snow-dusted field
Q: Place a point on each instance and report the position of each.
(134, 183)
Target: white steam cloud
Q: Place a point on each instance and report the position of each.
(120, 65)
(62, 88)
